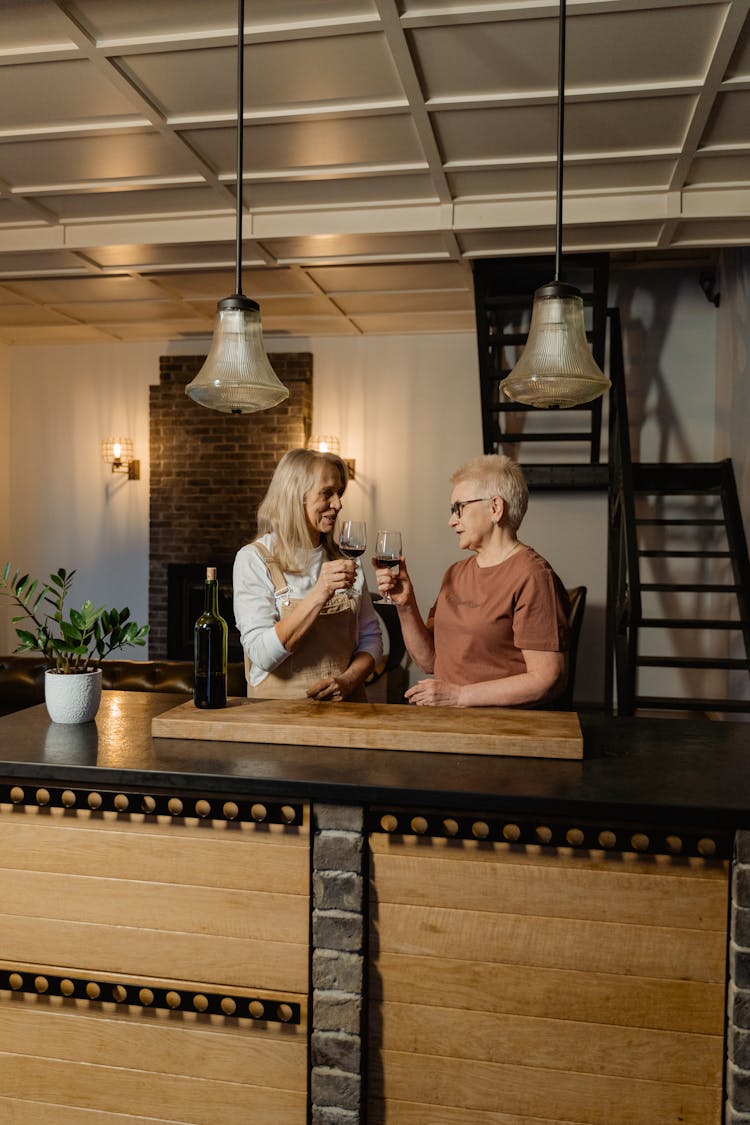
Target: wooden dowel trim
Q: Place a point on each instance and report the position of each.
(552, 832)
(171, 997)
(178, 806)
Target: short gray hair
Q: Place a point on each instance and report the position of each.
(498, 475)
(282, 509)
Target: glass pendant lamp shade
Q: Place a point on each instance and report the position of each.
(556, 368)
(237, 377)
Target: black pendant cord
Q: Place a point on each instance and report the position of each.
(560, 135)
(240, 132)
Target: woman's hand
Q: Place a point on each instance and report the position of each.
(435, 693)
(395, 583)
(337, 574)
(332, 689)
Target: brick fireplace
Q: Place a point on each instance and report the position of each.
(209, 472)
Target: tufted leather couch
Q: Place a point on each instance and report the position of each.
(22, 678)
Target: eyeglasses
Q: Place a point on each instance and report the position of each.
(457, 509)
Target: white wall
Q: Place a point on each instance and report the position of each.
(66, 509)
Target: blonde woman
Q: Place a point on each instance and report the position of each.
(304, 615)
(497, 634)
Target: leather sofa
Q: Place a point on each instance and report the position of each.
(22, 678)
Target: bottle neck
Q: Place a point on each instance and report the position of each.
(211, 597)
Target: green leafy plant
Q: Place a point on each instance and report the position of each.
(71, 644)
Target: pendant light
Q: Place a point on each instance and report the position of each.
(556, 368)
(237, 377)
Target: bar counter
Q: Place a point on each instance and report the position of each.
(697, 772)
(202, 931)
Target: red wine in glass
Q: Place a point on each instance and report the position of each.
(353, 539)
(387, 554)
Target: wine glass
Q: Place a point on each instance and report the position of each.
(388, 553)
(353, 538)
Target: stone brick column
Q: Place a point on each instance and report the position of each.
(738, 994)
(339, 929)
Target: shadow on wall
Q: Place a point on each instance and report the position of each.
(645, 331)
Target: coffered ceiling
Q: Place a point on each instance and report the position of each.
(388, 143)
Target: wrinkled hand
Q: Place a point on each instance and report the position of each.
(332, 689)
(395, 583)
(434, 693)
(338, 574)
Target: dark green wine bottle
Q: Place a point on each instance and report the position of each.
(210, 689)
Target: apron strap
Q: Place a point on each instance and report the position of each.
(281, 586)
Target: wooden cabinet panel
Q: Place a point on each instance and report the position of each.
(511, 984)
(151, 902)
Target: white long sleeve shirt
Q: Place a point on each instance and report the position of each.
(257, 609)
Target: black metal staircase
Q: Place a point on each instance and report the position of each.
(678, 583)
(679, 576)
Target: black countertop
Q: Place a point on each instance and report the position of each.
(696, 772)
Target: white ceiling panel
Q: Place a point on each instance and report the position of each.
(82, 97)
(36, 167)
(291, 73)
(304, 146)
(728, 124)
(220, 283)
(264, 195)
(581, 177)
(146, 203)
(601, 127)
(387, 144)
(446, 300)
(52, 291)
(366, 279)
(396, 247)
(604, 50)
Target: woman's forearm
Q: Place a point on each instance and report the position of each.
(292, 628)
(543, 679)
(419, 640)
(358, 671)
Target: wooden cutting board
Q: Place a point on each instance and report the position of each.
(380, 726)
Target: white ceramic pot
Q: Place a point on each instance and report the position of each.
(73, 698)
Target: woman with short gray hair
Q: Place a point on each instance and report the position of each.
(497, 634)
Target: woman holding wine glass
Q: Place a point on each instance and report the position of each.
(301, 605)
(497, 634)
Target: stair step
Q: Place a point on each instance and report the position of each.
(568, 435)
(674, 479)
(648, 554)
(674, 521)
(670, 703)
(692, 662)
(688, 623)
(691, 587)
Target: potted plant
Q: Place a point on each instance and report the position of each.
(72, 644)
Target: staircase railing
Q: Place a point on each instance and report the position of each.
(630, 483)
(623, 589)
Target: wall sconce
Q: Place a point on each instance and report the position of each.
(329, 443)
(118, 452)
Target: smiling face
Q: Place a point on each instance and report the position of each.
(474, 526)
(323, 501)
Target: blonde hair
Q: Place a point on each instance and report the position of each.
(498, 475)
(282, 509)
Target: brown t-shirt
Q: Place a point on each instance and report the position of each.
(485, 616)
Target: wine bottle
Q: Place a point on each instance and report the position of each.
(210, 687)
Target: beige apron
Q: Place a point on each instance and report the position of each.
(325, 650)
